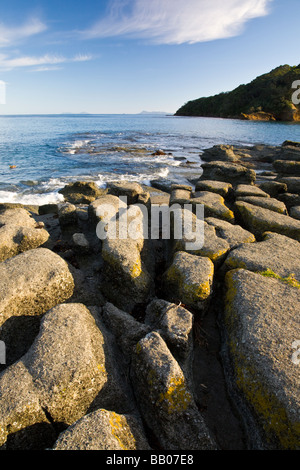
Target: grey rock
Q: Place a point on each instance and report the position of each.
(233, 173)
(166, 403)
(259, 220)
(243, 190)
(261, 319)
(233, 234)
(104, 430)
(81, 192)
(295, 212)
(267, 202)
(219, 187)
(276, 252)
(189, 280)
(32, 283)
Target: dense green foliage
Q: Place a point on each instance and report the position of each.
(270, 93)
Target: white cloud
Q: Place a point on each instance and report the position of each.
(8, 63)
(10, 35)
(178, 21)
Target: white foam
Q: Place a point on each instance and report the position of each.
(30, 199)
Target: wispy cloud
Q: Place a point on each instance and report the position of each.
(177, 21)
(43, 62)
(13, 34)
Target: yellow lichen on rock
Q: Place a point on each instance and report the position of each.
(176, 399)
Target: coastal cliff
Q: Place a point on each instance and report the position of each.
(267, 98)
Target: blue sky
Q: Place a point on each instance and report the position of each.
(126, 56)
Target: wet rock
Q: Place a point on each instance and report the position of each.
(276, 252)
(259, 220)
(81, 192)
(166, 403)
(261, 319)
(189, 280)
(104, 430)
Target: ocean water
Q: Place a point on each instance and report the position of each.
(49, 151)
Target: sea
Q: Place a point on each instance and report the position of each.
(40, 154)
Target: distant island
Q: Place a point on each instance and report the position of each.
(267, 98)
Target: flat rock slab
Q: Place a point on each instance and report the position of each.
(219, 187)
(262, 323)
(233, 173)
(259, 220)
(32, 283)
(249, 190)
(17, 216)
(104, 430)
(189, 280)
(267, 202)
(233, 234)
(276, 252)
(164, 398)
(214, 205)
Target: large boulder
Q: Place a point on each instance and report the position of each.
(259, 220)
(72, 366)
(261, 319)
(32, 283)
(276, 252)
(189, 280)
(292, 183)
(166, 403)
(104, 430)
(233, 173)
(273, 188)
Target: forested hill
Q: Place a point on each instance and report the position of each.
(268, 97)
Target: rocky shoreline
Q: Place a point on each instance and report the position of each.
(140, 344)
